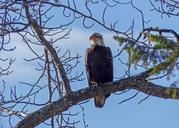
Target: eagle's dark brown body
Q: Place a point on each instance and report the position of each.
(99, 68)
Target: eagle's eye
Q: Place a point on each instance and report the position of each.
(92, 37)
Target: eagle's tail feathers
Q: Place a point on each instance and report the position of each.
(99, 101)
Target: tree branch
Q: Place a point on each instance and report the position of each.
(49, 47)
(160, 67)
(11, 112)
(163, 31)
(135, 82)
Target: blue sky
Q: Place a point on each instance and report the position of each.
(154, 112)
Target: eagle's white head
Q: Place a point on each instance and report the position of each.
(96, 39)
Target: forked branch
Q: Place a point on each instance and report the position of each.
(49, 47)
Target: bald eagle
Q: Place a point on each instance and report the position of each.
(99, 66)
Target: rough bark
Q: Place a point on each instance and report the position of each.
(57, 107)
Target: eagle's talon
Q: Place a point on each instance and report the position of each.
(93, 83)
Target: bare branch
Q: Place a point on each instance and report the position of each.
(49, 47)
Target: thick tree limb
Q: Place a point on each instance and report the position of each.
(49, 47)
(57, 107)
